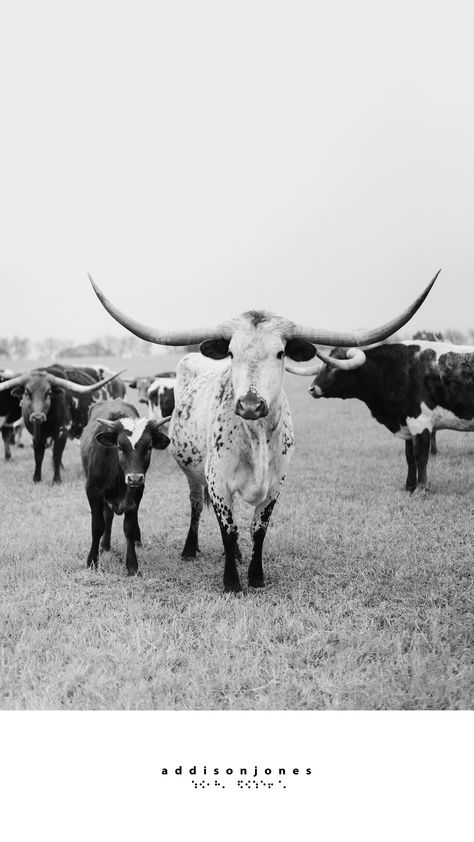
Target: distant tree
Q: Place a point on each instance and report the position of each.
(455, 336)
(19, 347)
(429, 335)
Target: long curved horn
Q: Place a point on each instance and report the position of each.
(78, 388)
(161, 336)
(13, 381)
(362, 337)
(355, 357)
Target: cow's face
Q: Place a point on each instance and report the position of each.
(134, 440)
(333, 382)
(36, 396)
(257, 350)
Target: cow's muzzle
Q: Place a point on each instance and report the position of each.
(251, 407)
(135, 480)
(315, 391)
(37, 418)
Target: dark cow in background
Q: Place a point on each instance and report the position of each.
(414, 388)
(161, 397)
(10, 413)
(48, 411)
(116, 451)
(115, 388)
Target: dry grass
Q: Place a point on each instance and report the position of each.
(368, 602)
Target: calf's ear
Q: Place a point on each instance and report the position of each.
(107, 438)
(300, 350)
(216, 349)
(158, 439)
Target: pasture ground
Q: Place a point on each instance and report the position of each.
(369, 597)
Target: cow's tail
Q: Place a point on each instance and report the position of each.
(207, 498)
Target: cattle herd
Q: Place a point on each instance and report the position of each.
(226, 417)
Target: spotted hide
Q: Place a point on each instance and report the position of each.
(231, 432)
(414, 388)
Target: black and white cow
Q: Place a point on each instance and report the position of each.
(413, 388)
(231, 430)
(116, 450)
(10, 413)
(161, 397)
(48, 410)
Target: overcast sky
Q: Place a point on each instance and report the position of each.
(201, 159)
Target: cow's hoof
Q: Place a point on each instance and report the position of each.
(36, 479)
(234, 587)
(57, 481)
(190, 553)
(135, 573)
(257, 583)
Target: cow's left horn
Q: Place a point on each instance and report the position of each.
(355, 357)
(83, 390)
(361, 337)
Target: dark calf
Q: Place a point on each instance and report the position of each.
(116, 450)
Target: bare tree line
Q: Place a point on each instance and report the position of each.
(20, 347)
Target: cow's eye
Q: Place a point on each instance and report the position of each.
(27, 393)
(280, 355)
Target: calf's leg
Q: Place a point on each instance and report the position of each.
(130, 527)
(96, 504)
(410, 484)
(108, 520)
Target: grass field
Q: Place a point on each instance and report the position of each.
(369, 597)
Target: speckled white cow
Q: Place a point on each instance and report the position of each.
(231, 428)
(236, 444)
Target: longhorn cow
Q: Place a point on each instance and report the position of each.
(413, 388)
(231, 429)
(48, 410)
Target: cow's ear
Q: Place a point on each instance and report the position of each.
(17, 392)
(107, 438)
(300, 350)
(216, 349)
(57, 390)
(158, 439)
(132, 384)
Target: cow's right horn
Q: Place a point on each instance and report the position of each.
(161, 336)
(14, 381)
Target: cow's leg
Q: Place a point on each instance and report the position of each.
(96, 504)
(130, 526)
(38, 447)
(196, 496)
(108, 520)
(421, 450)
(6, 436)
(222, 502)
(261, 519)
(58, 448)
(138, 536)
(410, 484)
(434, 446)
